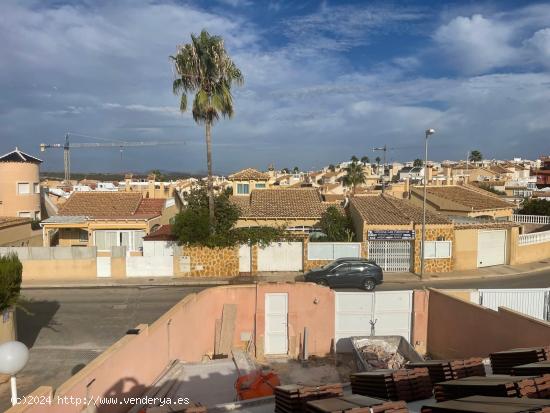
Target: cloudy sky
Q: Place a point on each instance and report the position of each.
(323, 80)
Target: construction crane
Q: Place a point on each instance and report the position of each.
(121, 145)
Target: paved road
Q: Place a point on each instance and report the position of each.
(70, 327)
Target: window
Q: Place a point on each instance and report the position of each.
(131, 239)
(242, 189)
(23, 188)
(437, 249)
(260, 185)
(83, 235)
(36, 188)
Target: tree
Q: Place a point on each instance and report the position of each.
(192, 225)
(475, 156)
(285, 170)
(331, 168)
(355, 175)
(336, 226)
(417, 162)
(365, 160)
(354, 159)
(11, 272)
(535, 207)
(203, 67)
(296, 170)
(158, 175)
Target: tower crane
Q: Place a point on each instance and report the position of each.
(121, 145)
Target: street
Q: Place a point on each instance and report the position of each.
(67, 327)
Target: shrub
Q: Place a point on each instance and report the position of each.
(11, 272)
(336, 226)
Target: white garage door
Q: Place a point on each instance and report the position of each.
(491, 248)
(281, 256)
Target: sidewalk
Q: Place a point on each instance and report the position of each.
(389, 278)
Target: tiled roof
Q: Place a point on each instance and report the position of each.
(472, 200)
(110, 205)
(387, 210)
(243, 202)
(163, 233)
(6, 222)
(499, 169)
(249, 174)
(18, 156)
(282, 203)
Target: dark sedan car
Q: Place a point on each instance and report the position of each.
(348, 272)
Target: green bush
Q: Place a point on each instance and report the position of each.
(336, 226)
(11, 275)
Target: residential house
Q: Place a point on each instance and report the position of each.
(150, 188)
(247, 180)
(463, 201)
(297, 209)
(413, 173)
(543, 173)
(106, 220)
(20, 185)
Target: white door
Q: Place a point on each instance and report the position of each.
(244, 258)
(491, 248)
(103, 267)
(276, 323)
(281, 256)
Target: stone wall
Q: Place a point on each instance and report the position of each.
(433, 233)
(208, 262)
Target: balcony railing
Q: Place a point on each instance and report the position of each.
(531, 219)
(534, 238)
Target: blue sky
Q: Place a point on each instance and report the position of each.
(323, 80)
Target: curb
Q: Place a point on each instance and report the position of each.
(118, 285)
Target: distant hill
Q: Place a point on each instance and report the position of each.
(100, 176)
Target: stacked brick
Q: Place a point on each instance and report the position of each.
(292, 398)
(443, 370)
(485, 404)
(532, 369)
(356, 404)
(405, 384)
(503, 362)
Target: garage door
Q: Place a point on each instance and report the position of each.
(281, 256)
(393, 256)
(491, 248)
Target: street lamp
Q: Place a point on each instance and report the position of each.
(13, 357)
(429, 132)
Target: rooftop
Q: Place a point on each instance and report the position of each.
(473, 200)
(6, 222)
(18, 156)
(387, 210)
(249, 174)
(282, 203)
(111, 205)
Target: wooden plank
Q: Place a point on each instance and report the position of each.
(229, 315)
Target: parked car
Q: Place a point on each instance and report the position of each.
(348, 272)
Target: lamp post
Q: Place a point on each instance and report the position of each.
(13, 357)
(429, 132)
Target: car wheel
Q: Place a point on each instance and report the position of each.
(369, 284)
(324, 283)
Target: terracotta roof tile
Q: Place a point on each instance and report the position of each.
(249, 174)
(387, 210)
(149, 206)
(282, 203)
(110, 205)
(473, 200)
(163, 233)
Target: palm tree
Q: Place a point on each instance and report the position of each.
(378, 164)
(365, 160)
(475, 156)
(296, 170)
(355, 175)
(203, 67)
(354, 158)
(418, 162)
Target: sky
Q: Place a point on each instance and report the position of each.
(324, 80)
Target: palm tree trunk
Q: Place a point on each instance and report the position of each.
(210, 184)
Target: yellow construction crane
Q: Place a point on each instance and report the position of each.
(121, 145)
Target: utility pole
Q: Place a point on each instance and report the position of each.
(383, 177)
(429, 132)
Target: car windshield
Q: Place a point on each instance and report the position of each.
(330, 265)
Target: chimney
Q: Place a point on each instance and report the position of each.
(407, 186)
(128, 182)
(151, 186)
(430, 174)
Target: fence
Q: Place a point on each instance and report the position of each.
(332, 250)
(531, 219)
(534, 238)
(531, 301)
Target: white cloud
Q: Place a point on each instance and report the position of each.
(540, 42)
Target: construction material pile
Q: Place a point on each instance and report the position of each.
(355, 404)
(503, 362)
(188, 408)
(292, 398)
(532, 369)
(443, 370)
(382, 356)
(535, 388)
(407, 385)
(485, 404)
(496, 386)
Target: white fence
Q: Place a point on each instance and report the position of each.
(332, 250)
(530, 301)
(534, 238)
(161, 266)
(531, 219)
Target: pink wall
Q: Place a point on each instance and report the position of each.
(186, 332)
(459, 329)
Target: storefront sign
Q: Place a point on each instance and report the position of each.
(391, 234)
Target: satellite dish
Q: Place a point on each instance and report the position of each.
(13, 357)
